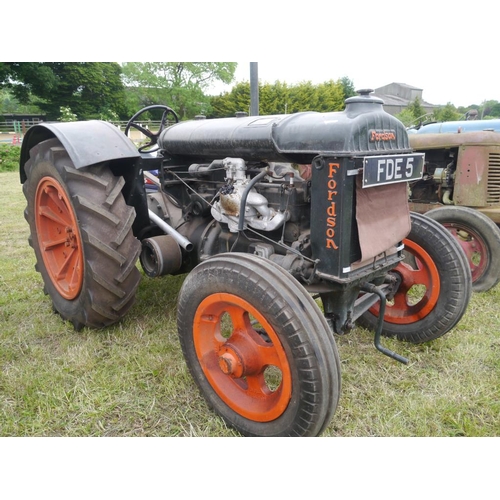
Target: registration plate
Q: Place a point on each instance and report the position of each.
(379, 170)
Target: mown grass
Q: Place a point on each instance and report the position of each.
(131, 379)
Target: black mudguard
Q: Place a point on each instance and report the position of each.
(87, 143)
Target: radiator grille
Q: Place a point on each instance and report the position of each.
(494, 179)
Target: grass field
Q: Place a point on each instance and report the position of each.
(131, 379)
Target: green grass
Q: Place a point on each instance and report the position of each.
(131, 379)
(9, 158)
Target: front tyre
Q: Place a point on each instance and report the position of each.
(434, 286)
(258, 347)
(81, 232)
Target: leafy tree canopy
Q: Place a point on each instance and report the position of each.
(407, 118)
(490, 109)
(89, 89)
(415, 115)
(417, 109)
(446, 113)
(180, 85)
(347, 87)
(9, 104)
(281, 98)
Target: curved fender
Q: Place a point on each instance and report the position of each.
(87, 142)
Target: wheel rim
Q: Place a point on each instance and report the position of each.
(59, 238)
(474, 247)
(419, 290)
(242, 357)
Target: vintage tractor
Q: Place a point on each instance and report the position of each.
(290, 229)
(460, 188)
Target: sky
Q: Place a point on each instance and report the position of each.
(446, 48)
(439, 84)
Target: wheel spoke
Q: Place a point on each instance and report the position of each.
(422, 275)
(66, 263)
(145, 131)
(257, 386)
(51, 244)
(55, 198)
(400, 301)
(76, 267)
(48, 213)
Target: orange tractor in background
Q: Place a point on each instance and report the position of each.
(460, 188)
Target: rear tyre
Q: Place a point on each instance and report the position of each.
(479, 238)
(434, 290)
(258, 347)
(81, 232)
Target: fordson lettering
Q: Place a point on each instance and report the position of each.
(382, 135)
(331, 211)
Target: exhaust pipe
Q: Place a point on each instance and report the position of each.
(181, 240)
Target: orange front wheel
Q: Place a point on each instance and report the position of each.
(258, 347)
(433, 286)
(242, 357)
(419, 287)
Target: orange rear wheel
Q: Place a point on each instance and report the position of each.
(81, 232)
(59, 237)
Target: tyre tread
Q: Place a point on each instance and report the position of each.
(105, 222)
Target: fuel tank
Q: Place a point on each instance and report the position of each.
(362, 128)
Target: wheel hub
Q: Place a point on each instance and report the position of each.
(241, 359)
(231, 364)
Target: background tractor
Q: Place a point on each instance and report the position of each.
(460, 188)
(289, 228)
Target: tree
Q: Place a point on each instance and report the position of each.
(9, 104)
(347, 87)
(228, 103)
(406, 118)
(281, 98)
(490, 109)
(446, 113)
(89, 89)
(275, 99)
(180, 85)
(331, 96)
(416, 108)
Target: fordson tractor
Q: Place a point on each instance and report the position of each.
(289, 229)
(460, 188)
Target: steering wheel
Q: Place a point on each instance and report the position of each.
(153, 137)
